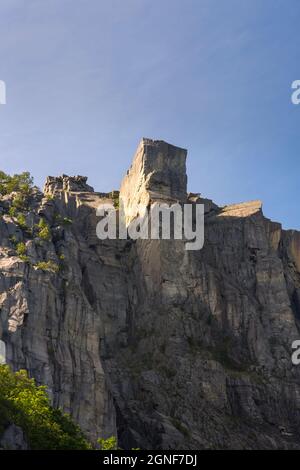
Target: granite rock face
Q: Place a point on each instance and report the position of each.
(157, 173)
(163, 347)
(66, 183)
(13, 438)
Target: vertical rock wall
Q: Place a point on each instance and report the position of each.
(165, 348)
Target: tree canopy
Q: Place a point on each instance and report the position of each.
(27, 405)
(19, 182)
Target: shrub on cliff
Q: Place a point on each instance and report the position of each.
(44, 231)
(21, 221)
(47, 266)
(108, 444)
(20, 183)
(27, 405)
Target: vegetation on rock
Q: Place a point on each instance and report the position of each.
(19, 183)
(27, 405)
(47, 266)
(21, 221)
(44, 231)
(21, 251)
(115, 196)
(108, 444)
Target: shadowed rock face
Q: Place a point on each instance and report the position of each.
(163, 347)
(13, 439)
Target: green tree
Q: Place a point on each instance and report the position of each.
(27, 405)
(19, 182)
(44, 231)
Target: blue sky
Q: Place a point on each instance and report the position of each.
(87, 79)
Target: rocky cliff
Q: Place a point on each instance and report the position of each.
(163, 347)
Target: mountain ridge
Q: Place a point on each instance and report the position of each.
(163, 348)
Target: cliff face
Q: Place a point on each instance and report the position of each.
(157, 174)
(163, 347)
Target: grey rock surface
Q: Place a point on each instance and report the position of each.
(13, 438)
(163, 347)
(157, 173)
(66, 183)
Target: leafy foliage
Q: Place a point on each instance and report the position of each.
(111, 443)
(44, 231)
(12, 211)
(21, 252)
(21, 221)
(21, 186)
(47, 266)
(20, 201)
(108, 444)
(20, 183)
(21, 248)
(115, 196)
(27, 405)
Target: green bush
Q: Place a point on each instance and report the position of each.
(44, 231)
(21, 221)
(115, 196)
(27, 405)
(20, 183)
(21, 252)
(108, 444)
(21, 249)
(19, 201)
(47, 266)
(12, 211)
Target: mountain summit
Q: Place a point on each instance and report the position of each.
(143, 340)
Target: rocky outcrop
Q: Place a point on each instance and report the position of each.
(158, 173)
(164, 347)
(66, 183)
